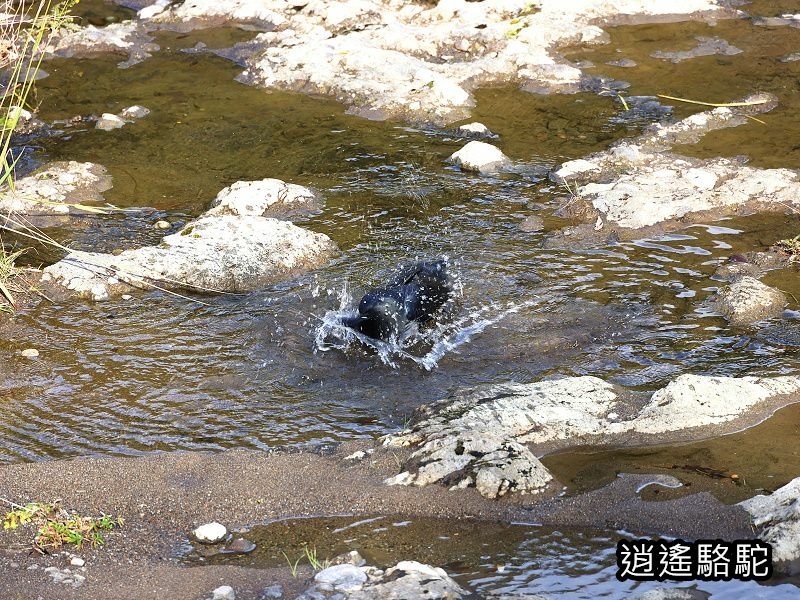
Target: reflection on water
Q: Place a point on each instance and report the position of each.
(504, 560)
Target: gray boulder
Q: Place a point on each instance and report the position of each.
(778, 516)
(487, 437)
(747, 300)
(51, 190)
(224, 253)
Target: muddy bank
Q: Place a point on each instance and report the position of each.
(167, 495)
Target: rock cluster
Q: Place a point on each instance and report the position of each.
(482, 438)
(237, 246)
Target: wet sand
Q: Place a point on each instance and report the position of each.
(162, 497)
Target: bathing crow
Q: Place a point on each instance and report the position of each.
(414, 293)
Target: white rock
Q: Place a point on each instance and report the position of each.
(409, 579)
(695, 401)
(162, 224)
(77, 561)
(779, 514)
(135, 112)
(575, 167)
(481, 435)
(263, 198)
(343, 578)
(210, 533)
(388, 59)
(644, 184)
(475, 128)
(129, 37)
(480, 157)
(108, 121)
(223, 592)
(213, 253)
(148, 12)
(29, 353)
(50, 190)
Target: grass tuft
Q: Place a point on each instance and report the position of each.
(57, 527)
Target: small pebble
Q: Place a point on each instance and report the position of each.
(77, 561)
(223, 592)
(210, 533)
(272, 592)
(239, 546)
(163, 225)
(126, 296)
(29, 353)
(135, 112)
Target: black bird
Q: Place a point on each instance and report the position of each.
(414, 293)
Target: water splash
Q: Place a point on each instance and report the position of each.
(423, 346)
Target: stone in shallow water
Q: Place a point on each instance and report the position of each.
(239, 546)
(342, 577)
(747, 300)
(532, 224)
(210, 533)
(223, 592)
(271, 592)
(135, 112)
(475, 129)
(480, 157)
(108, 121)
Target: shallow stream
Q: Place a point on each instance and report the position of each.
(159, 373)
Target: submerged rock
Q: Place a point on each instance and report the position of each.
(486, 437)
(480, 157)
(129, 37)
(707, 46)
(475, 130)
(109, 121)
(747, 300)
(532, 224)
(135, 112)
(778, 518)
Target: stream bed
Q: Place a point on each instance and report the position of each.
(160, 373)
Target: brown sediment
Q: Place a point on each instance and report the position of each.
(162, 497)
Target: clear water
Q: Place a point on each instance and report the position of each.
(160, 373)
(507, 560)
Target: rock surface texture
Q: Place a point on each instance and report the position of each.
(407, 579)
(52, 189)
(129, 37)
(747, 300)
(232, 248)
(639, 183)
(480, 157)
(486, 438)
(778, 516)
(414, 61)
